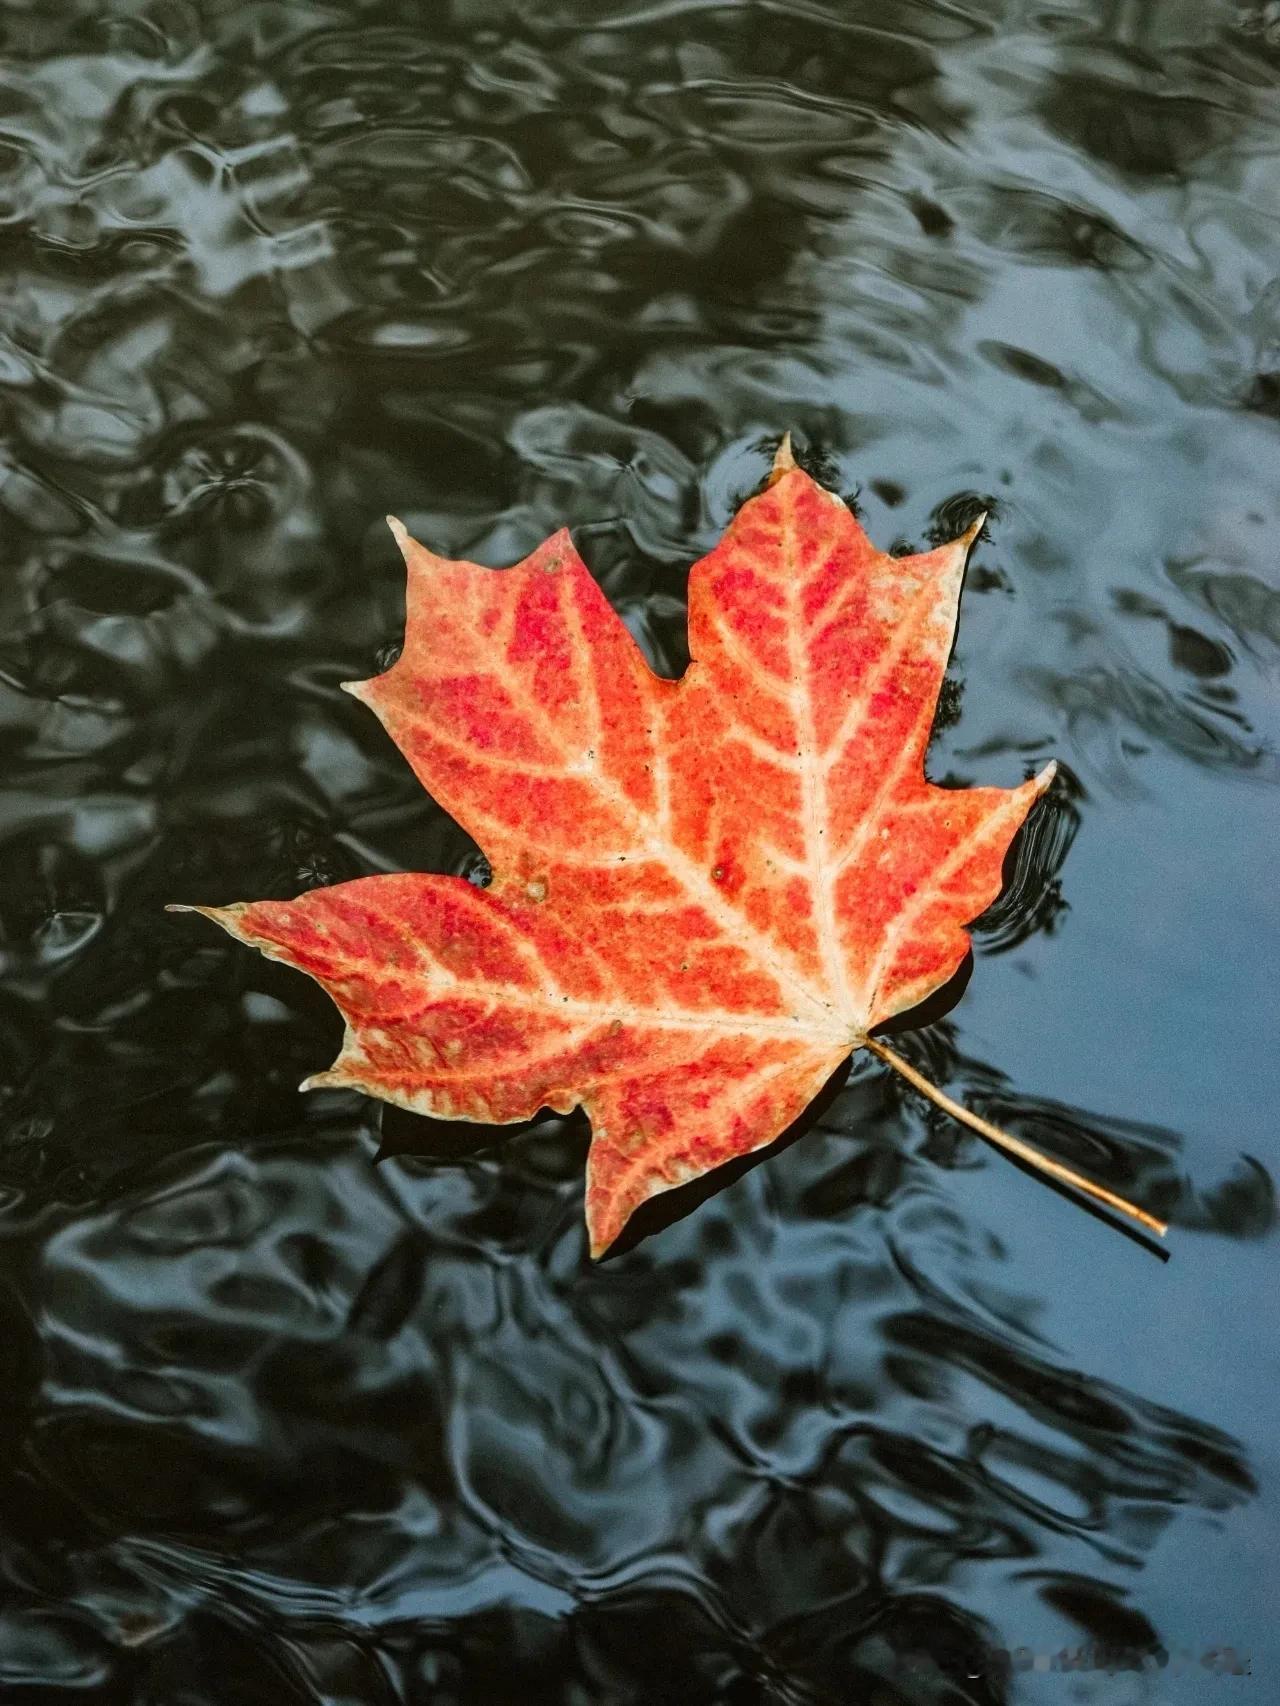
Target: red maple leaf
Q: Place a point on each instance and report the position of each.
(706, 893)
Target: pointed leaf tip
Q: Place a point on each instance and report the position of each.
(327, 1080)
(399, 532)
(784, 460)
(970, 534)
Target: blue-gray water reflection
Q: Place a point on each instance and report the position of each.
(290, 1423)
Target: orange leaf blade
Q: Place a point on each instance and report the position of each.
(705, 892)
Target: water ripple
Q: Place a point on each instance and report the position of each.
(317, 1402)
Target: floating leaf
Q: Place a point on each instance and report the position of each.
(706, 893)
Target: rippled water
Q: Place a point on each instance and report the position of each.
(310, 1402)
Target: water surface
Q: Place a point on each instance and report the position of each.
(290, 1423)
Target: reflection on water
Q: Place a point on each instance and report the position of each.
(288, 1425)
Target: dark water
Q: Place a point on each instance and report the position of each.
(283, 1425)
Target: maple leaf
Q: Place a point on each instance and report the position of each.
(707, 892)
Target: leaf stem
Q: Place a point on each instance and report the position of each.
(1013, 1145)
